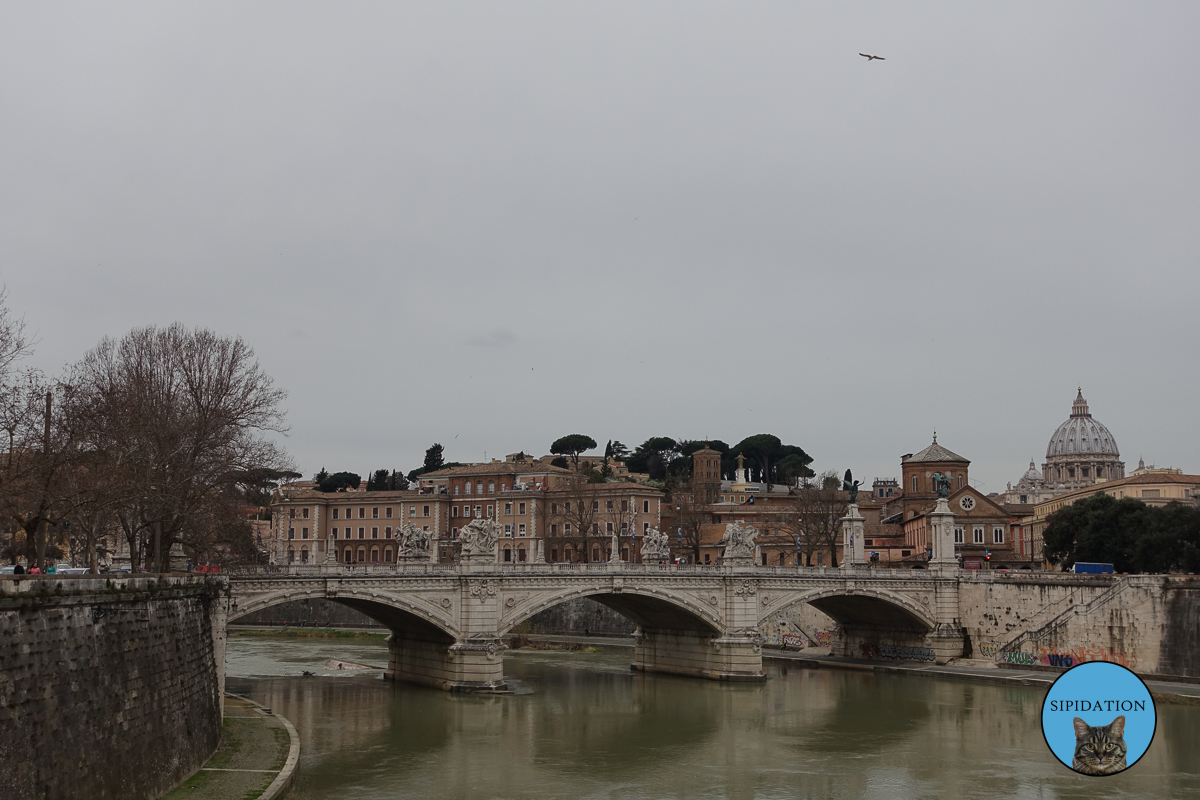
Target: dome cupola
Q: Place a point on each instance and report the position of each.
(1082, 450)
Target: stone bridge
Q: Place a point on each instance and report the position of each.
(447, 621)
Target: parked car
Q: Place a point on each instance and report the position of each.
(8, 569)
(73, 570)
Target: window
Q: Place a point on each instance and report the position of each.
(596, 528)
(467, 486)
(304, 533)
(508, 529)
(507, 554)
(291, 513)
(960, 481)
(958, 535)
(553, 529)
(491, 487)
(375, 512)
(374, 533)
(997, 535)
(1151, 492)
(624, 527)
(490, 510)
(412, 511)
(914, 484)
(388, 512)
(567, 529)
(456, 489)
(479, 511)
(624, 505)
(977, 534)
(645, 506)
(291, 555)
(645, 527)
(479, 487)
(554, 508)
(387, 532)
(568, 506)
(334, 533)
(608, 505)
(454, 511)
(1085, 472)
(596, 505)
(424, 511)
(291, 533)
(1024, 499)
(362, 512)
(1070, 472)
(521, 529)
(508, 509)
(521, 509)
(303, 555)
(304, 512)
(362, 533)
(335, 513)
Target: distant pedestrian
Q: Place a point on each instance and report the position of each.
(35, 570)
(19, 569)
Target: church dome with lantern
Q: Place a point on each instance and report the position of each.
(1081, 451)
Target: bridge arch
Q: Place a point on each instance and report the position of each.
(650, 609)
(403, 616)
(863, 607)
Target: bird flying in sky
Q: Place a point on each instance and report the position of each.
(869, 58)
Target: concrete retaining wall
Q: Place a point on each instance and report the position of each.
(1149, 623)
(108, 688)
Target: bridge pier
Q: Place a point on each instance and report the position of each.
(699, 655)
(461, 666)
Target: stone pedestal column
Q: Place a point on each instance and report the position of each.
(852, 538)
(941, 532)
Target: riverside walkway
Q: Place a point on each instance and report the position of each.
(256, 759)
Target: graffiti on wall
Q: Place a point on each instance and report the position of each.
(897, 651)
(1078, 655)
(824, 638)
(1068, 658)
(988, 649)
(1025, 659)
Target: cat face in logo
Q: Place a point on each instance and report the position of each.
(1099, 750)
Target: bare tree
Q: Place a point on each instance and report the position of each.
(575, 513)
(814, 515)
(177, 419)
(688, 514)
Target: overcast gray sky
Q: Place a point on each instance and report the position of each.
(492, 224)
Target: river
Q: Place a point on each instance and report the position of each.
(582, 726)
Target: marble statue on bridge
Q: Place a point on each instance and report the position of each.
(738, 542)
(412, 542)
(654, 546)
(479, 539)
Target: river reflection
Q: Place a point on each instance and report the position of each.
(583, 726)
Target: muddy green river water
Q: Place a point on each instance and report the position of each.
(581, 725)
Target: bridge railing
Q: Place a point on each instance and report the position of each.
(502, 568)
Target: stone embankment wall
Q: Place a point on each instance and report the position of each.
(1149, 623)
(109, 688)
(315, 612)
(577, 617)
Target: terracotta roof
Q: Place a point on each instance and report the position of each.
(935, 452)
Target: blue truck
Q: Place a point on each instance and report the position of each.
(1087, 568)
